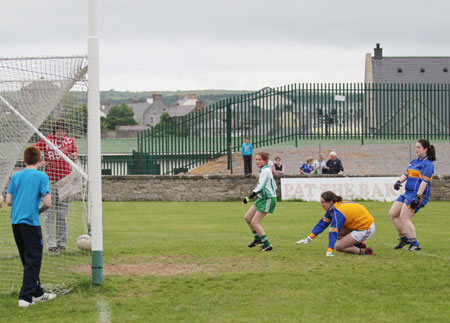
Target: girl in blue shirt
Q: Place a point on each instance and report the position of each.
(418, 177)
(307, 168)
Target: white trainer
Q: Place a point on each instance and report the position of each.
(45, 297)
(23, 303)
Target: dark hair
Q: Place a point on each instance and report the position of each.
(60, 125)
(431, 153)
(32, 155)
(330, 196)
(263, 155)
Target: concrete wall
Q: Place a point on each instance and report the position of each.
(205, 188)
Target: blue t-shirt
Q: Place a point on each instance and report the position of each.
(307, 168)
(27, 187)
(247, 149)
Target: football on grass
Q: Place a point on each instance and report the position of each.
(84, 242)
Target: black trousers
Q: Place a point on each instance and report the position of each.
(247, 164)
(29, 242)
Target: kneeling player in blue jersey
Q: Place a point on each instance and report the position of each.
(351, 224)
(265, 190)
(418, 177)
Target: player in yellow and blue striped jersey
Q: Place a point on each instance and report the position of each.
(418, 177)
(350, 222)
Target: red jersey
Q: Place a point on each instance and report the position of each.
(56, 167)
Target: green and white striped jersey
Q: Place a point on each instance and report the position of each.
(266, 187)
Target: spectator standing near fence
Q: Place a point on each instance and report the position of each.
(278, 166)
(319, 164)
(247, 154)
(334, 164)
(307, 167)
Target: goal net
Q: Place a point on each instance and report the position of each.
(43, 103)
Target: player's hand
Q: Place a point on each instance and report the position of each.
(329, 254)
(397, 185)
(245, 200)
(416, 201)
(304, 240)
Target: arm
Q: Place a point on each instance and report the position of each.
(341, 167)
(263, 178)
(426, 176)
(74, 150)
(46, 203)
(336, 226)
(399, 182)
(8, 199)
(318, 229)
(301, 169)
(320, 226)
(422, 188)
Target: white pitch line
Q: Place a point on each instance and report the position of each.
(104, 315)
(423, 253)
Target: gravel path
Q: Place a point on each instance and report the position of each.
(371, 159)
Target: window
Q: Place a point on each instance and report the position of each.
(422, 70)
(445, 69)
(399, 70)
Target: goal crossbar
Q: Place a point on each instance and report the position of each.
(58, 151)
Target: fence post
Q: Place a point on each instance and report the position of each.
(229, 133)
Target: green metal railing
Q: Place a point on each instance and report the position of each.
(300, 111)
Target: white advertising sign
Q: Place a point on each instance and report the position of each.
(339, 98)
(350, 188)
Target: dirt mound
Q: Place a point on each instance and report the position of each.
(148, 269)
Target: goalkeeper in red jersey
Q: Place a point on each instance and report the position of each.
(57, 168)
(351, 226)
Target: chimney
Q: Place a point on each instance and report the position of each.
(156, 97)
(199, 105)
(378, 52)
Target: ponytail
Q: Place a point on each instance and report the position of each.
(431, 152)
(330, 196)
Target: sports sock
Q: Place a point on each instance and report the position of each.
(403, 237)
(413, 242)
(255, 235)
(360, 245)
(265, 240)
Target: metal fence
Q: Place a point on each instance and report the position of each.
(298, 111)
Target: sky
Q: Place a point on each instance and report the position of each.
(148, 45)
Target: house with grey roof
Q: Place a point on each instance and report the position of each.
(185, 105)
(415, 82)
(152, 114)
(406, 69)
(139, 109)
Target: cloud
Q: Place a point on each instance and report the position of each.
(245, 44)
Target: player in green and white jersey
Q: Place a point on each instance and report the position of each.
(265, 203)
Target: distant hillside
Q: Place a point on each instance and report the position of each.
(209, 96)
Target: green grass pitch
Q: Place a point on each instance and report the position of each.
(189, 262)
